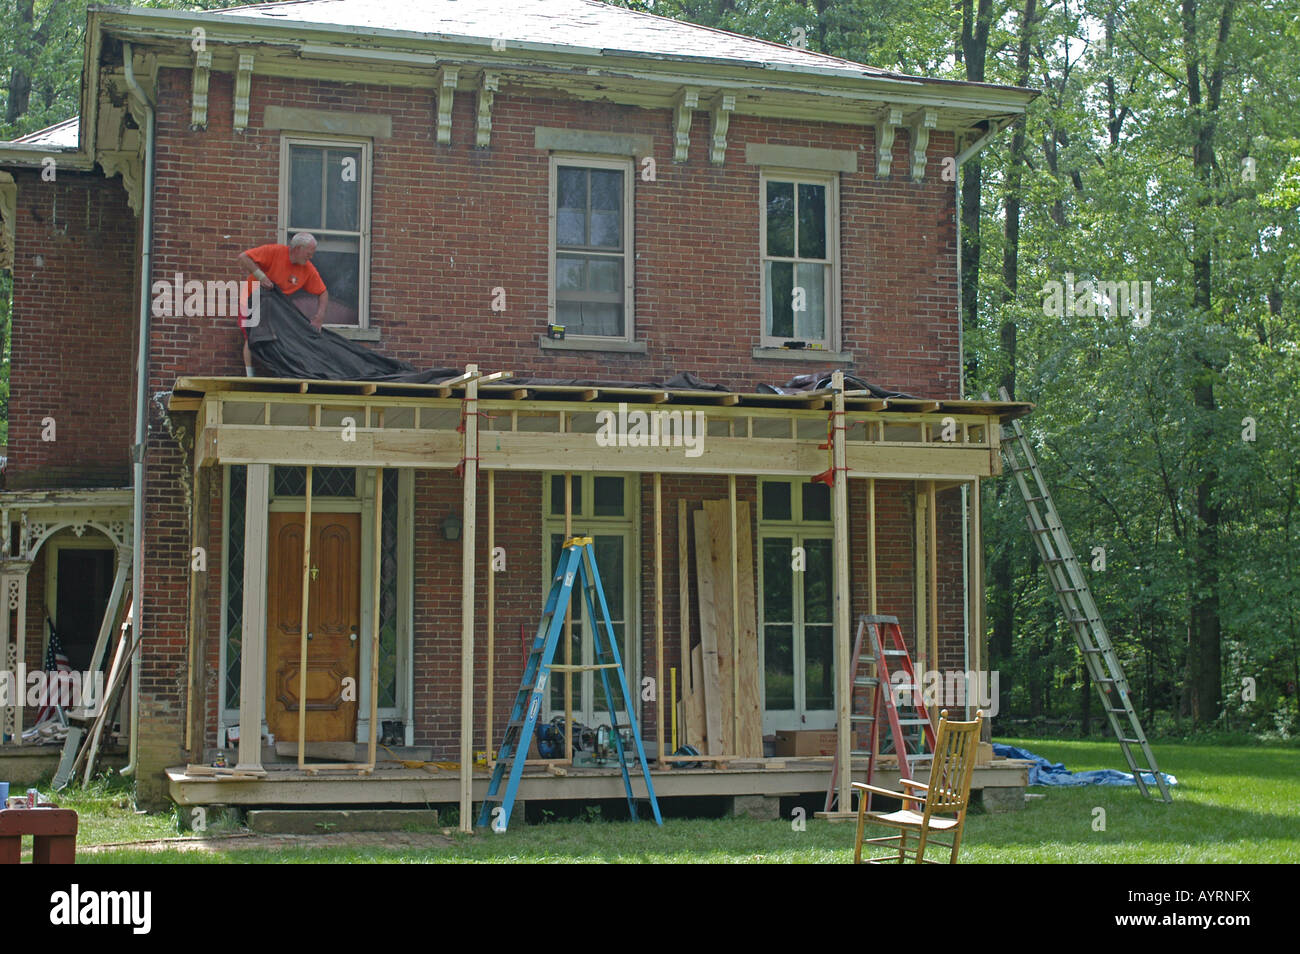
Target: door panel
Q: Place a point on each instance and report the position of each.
(333, 649)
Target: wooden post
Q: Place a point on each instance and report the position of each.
(376, 580)
(252, 646)
(195, 698)
(976, 579)
(491, 603)
(659, 619)
(20, 633)
(735, 619)
(934, 582)
(303, 635)
(568, 623)
(684, 615)
(871, 542)
(843, 649)
(470, 501)
(920, 576)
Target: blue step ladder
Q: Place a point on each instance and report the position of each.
(577, 559)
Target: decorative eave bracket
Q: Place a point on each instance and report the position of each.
(684, 106)
(489, 82)
(128, 164)
(886, 129)
(919, 128)
(199, 86)
(448, 76)
(720, 113)
(243, 84)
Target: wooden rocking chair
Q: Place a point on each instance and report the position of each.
(948, 793)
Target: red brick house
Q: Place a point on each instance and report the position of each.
(477, 171)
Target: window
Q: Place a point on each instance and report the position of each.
(800, 258)
(325, 190)
(604, 508)
(591, 271)
(797, 645)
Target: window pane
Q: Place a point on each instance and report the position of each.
(819, 672)
(810, 321)
(817, 581)
(590, 318)
(606, 230)
(605, 275)
(570, 273)
(608, 497)
(305, 187)
(571, 185)
(343, 190)
(812, 221)
(557, 496)
(606, 190)
(776, 500)
(778, 580)
(609, 561)
(780, 219)
(778, 667)
(780, 315)
(816, 502)
(339, 262)
(571, 228)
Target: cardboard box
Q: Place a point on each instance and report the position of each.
(806, 742)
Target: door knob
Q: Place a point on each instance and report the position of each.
(353, 635)
(309, 635)
(315, 572)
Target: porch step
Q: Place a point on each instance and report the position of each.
(323, 821)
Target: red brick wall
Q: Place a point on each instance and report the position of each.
(450, 223)
(73, 344)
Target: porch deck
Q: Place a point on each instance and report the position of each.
(402, 786)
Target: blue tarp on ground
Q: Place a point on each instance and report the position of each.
(1043, 772)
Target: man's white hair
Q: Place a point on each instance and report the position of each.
(302, 238)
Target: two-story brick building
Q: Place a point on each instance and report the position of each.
(679, 199)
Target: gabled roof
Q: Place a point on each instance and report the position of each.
(581, 24)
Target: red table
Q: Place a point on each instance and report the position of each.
(54, 832)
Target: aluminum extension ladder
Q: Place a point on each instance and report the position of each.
(577, 560)
(883, 687)
(1071, 588)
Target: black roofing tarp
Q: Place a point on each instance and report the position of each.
(285, 345)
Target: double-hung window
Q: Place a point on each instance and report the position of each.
(799, 252)
(591, 260)
(325, 190)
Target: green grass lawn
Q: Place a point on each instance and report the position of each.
(1232, 804)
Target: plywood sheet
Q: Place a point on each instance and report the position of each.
(750, 741)
(716, 718)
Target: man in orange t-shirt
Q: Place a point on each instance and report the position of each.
(289, 268)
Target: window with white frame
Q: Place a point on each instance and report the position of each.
(800, 259)
(591, 242)
(325, 190)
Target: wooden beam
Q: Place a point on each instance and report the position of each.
(659, 618)
(933, 582)
(469, 503)
(683, 621)
(734, 575)
(304, 636)
(871, 545)
(919, 579)
(252, 646)
(713, 701)
(195, 698)
(491, 604)
(840, 542)
(376, 578)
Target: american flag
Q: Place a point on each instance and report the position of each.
(55, 661)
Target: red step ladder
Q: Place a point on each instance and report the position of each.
(884, 639)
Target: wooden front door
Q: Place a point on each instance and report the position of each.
(333, 624)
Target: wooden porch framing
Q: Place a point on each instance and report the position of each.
(27, 520)
(486, 423)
